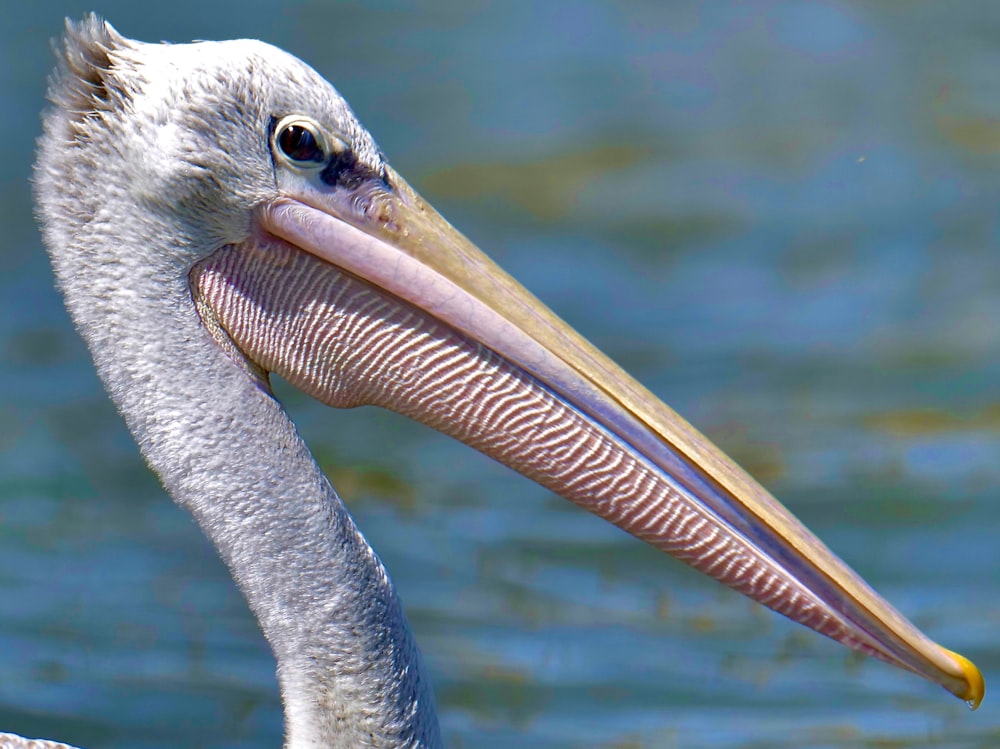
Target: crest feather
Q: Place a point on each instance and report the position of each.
(82, 86)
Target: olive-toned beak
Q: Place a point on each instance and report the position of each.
(627, 456)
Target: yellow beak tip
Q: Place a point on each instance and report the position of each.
(975, 686)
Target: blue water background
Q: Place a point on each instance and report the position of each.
(780, 216)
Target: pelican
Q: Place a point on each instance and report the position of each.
(215, 213)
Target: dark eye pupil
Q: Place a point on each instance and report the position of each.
(299, 144)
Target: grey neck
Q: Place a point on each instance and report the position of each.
(348, 667)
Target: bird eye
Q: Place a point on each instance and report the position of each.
(300, 141)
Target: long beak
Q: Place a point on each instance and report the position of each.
(389, 304)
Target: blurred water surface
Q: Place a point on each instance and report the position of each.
(781, 216)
